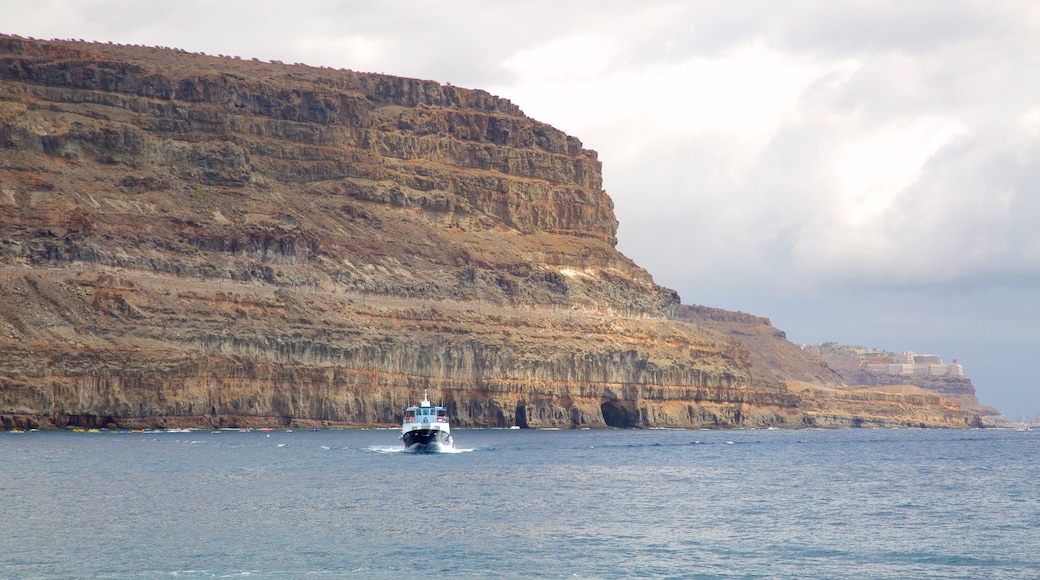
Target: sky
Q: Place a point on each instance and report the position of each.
(858, 171)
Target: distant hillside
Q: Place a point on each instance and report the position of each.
(851, 364)
(828, 395)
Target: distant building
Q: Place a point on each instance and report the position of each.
(915, 364)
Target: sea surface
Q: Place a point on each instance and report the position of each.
(522, 504)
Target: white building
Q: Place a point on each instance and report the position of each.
(917, 364)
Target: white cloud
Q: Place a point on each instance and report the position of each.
(584, 85)
(855, 231)
(568, 59)
(363, 53)
(874, 164)
(1031, 122)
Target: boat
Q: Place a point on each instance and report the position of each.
(425, 427)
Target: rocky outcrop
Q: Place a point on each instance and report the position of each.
(197, 241)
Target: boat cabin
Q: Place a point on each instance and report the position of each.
(426, 414)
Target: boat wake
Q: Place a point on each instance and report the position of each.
(386, 449)
(440, 449)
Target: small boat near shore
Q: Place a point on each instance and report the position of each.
(425, 427)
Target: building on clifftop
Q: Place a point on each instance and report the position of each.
(909, 363)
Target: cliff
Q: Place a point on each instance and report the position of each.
(199, 241)
(831, 394)
(849, 364)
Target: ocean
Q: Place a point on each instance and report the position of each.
(522, 504)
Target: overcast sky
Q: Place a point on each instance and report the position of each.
(866, 172)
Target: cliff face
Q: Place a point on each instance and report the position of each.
(880, 406)
(770, 354)
(830, 394)
(199, 241)
(137, 157)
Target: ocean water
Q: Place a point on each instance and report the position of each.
(522, 504)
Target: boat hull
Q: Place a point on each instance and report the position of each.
(426, 439)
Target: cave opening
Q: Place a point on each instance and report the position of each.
(619, 415)
(521, 416)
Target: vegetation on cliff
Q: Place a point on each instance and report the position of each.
(199, 241)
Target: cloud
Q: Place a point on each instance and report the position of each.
(1031, 123)
(738, 99)
(856, 230)
(364, 53)
(816, 170)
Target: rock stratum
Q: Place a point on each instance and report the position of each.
(198, 241)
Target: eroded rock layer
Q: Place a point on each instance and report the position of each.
(196, 241)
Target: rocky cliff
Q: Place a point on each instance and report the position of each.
(829, 394)
(199, 241)
(848, 362)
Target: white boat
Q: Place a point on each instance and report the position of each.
(425, 427)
